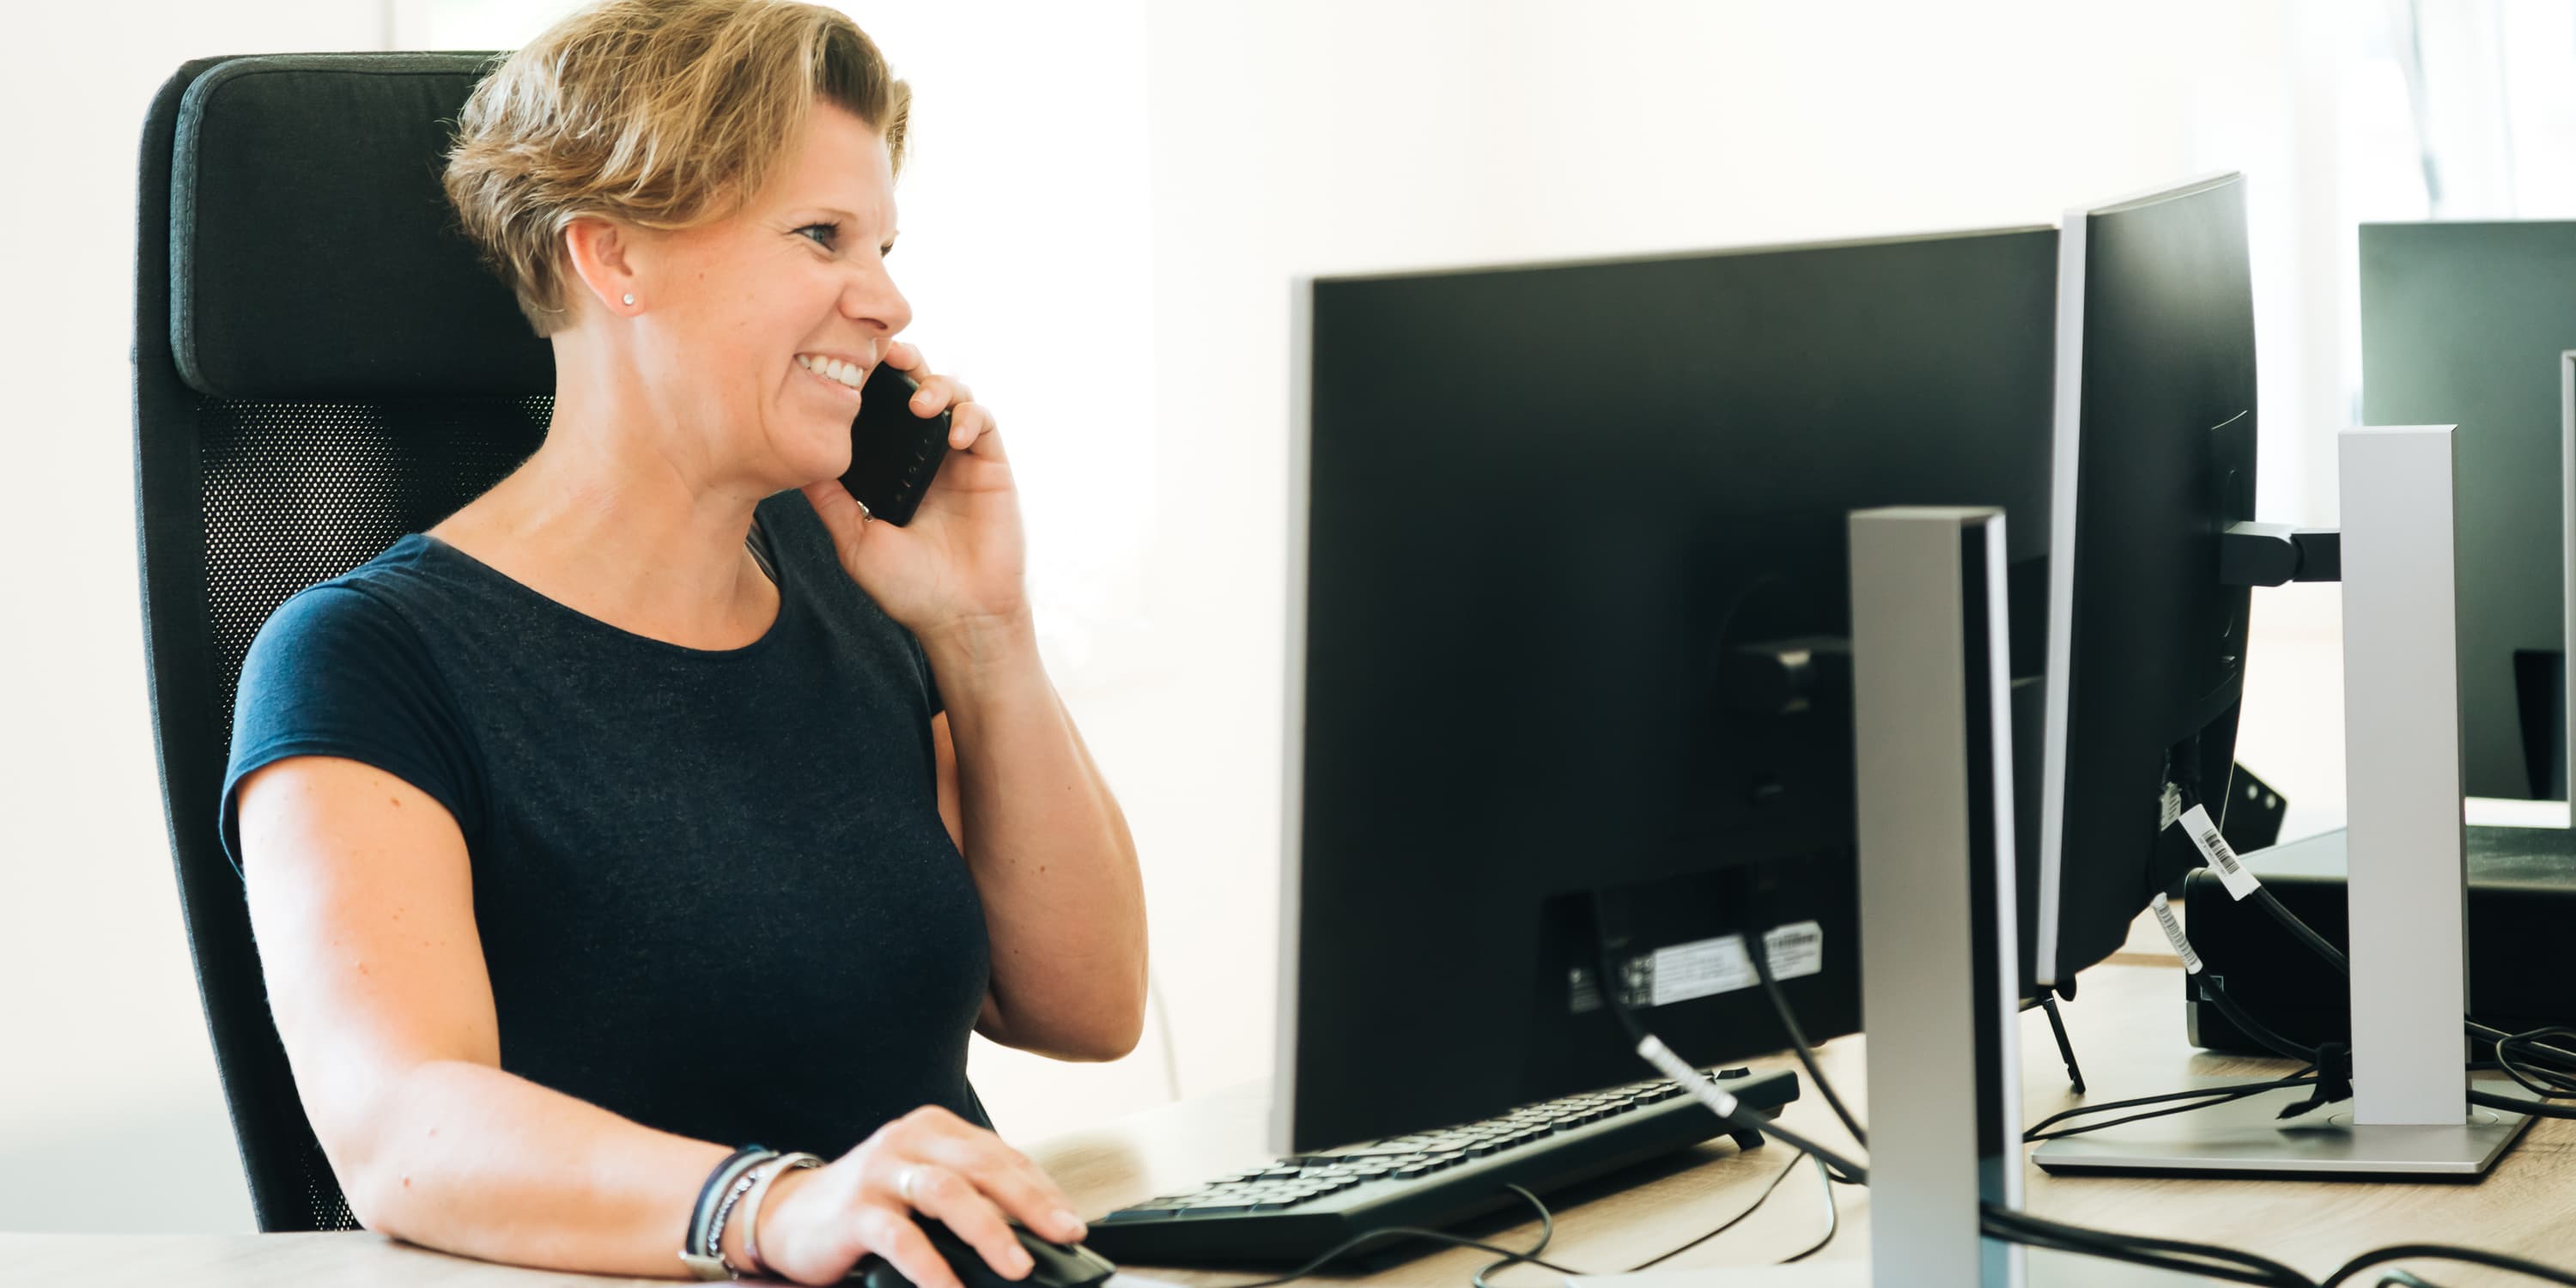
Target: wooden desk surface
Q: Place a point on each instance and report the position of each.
(2127, 1029)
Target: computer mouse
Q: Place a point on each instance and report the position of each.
(1058, 1265)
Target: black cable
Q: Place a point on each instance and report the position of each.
(1756, 1122)
(2544, 1082)
(2213, 989)
(2255, 1263)
(2105, 1107)
(1385, 1234)
(2303, 931)
(1547, 1227)
(1758, 947)
(2201, 1098)
(2139, 1249)
(1731, 1222)
(1833, 1215)
(2532, 1036)
(2444, 1252)
(2516, 1105)
(1546, 1235)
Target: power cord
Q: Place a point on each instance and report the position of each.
(1738, 1219)
(2544, 1082)
(2202, 1098)
(1758, 947)
(1547, 1234)
(1833, 1217)
(1548, 1227)
(1388, 1234)
(2164, 1254)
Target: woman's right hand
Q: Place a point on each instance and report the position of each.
(929, 1162)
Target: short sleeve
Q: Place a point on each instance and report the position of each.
(336, 671)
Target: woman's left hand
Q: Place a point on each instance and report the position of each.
(961, 563)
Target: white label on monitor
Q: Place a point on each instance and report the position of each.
(2215, 852)
(1707, 967)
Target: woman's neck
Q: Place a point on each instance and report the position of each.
(611, 520)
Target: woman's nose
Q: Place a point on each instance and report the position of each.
(873, 298)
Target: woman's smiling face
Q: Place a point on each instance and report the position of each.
(756, 330)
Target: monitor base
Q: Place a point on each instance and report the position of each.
(2249, 1138)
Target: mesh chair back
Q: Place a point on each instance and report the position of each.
(320, 366)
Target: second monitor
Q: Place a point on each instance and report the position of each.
(1572, 583)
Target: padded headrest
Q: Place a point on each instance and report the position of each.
(312, 254)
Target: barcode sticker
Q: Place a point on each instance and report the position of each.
(1709, 966)
(2173, 933)
(2214, 849)
(2168, 806)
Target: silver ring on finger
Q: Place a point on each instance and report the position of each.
(905, 1180)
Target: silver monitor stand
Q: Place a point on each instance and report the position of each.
(1939, 988)
(2410, 1115)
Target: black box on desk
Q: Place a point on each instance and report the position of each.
(2522, 924)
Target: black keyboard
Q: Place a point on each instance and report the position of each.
(1297, 1208)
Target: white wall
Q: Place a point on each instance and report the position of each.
(1110, 203)
(109, 1113)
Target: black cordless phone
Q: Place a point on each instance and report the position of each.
(893, 454)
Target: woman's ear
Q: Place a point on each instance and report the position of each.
(600, 251)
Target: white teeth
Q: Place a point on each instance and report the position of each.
(831, 368)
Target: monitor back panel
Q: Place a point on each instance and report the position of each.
(1542, 504)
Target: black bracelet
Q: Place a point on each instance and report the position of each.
(700, 1251)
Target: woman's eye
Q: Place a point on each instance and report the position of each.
(823, 234)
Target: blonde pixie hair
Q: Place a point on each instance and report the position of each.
(663, 114)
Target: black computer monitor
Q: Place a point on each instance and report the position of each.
(1546, 515)
(2154, 459)
(2472, 324)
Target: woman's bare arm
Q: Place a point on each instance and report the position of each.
(362, 903)
(1064, 903)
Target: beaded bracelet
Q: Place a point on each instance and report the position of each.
(703, 1250)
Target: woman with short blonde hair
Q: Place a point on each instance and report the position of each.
(660, 816)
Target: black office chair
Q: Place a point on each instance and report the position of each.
(320, 366)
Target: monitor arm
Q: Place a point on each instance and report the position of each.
(2275, 554)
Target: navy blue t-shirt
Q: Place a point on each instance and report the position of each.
(713, 888)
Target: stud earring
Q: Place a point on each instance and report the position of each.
(630, 297)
